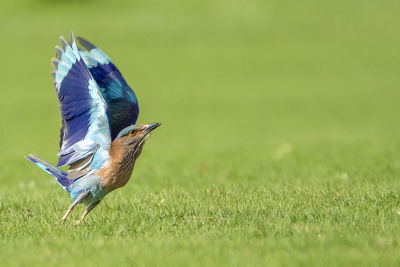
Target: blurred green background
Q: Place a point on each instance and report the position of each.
(255, 98)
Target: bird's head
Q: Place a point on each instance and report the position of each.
(137, 133)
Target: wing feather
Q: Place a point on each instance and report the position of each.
(121, 100)
(85, 128)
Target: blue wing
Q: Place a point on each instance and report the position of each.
(121, 100)
(85, 128)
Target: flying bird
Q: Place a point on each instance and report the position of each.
(99, 140)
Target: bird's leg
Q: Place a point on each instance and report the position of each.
(87, 210)
(76, 202)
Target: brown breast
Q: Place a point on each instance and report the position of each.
(118, 172)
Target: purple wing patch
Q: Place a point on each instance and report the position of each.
(84, 112)
(121, 100)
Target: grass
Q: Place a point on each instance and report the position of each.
(280, 142)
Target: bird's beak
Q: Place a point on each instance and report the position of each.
(151, 127)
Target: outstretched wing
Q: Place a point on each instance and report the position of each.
(85, 131)
(121, 100)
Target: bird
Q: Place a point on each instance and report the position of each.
(99, 138)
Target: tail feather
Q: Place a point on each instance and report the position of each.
(60, 175)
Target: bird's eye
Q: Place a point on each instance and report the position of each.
(131, 132)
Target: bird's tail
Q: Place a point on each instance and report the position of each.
(60, 175)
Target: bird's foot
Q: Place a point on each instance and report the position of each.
(79, 223)
(58, 223)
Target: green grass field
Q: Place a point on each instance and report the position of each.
(280, 142)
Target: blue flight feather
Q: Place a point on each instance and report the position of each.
(60, 176)
(85, 115)
(122, 102)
